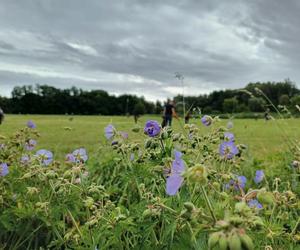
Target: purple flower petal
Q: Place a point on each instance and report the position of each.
(174, 182)
(24, 159)
(152, 128)
(254, 204)
(242, 181)
(206, 120)
(259, 176)
(44, 156)
(80, 154)
(30, 144)
(31, 124)
(109, 131)
(3, 169)
(70, 158)
(229, 137)
(228, 150)
(124, 134)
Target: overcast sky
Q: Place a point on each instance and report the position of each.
(136, 46)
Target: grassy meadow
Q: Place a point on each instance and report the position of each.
(190, 188)
(62, 134)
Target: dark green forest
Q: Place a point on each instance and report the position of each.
(44, 99)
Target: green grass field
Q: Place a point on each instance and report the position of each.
(264, 139)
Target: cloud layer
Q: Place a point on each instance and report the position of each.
(136, 46)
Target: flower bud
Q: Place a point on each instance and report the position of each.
(247, 242)
(89, 202)
(213, 239)
(223, 244)
(234, 242)
(265, 197)
(197, 174)
(189, 206)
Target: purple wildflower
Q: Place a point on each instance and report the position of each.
(31, 124)
(80, 155)
(254, 204)
(109, 131)
(30, 144)
(228, 149)
(229, 137)
(241, 181)
(230, 125)
(70, 158)
(44, 156)
(3, 169)
(124, 134)
(24, 159)
(132, 157)
(206, 120)
(259, 176)
(174, 181)
(152, 128)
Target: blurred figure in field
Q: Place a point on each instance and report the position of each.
(267, 115)
(1, 116)
(169, 112)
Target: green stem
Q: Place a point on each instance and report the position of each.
(162, 145)
(295, 227)
(208, 204)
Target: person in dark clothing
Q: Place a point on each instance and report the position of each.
(1, 115)
(169, 112)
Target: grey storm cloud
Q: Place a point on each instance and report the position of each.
(136, 46)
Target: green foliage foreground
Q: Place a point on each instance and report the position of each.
(118, 200)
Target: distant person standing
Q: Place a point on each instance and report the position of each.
(169, 112)
(1, 116)
(267, 115)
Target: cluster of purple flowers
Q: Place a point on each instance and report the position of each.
(175, 180)
(25, 159)
(253, 203)
(30, 144)
(152, 128)
(78, 155)
(3, 169)
(44, 156)
(227, 148)
(239, 182)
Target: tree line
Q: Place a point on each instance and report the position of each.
(45, 99)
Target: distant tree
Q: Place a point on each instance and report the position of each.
(158, 107)
(256, 104)
(295, 100)
(284, 100)
(139, 109)
(230, 105)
